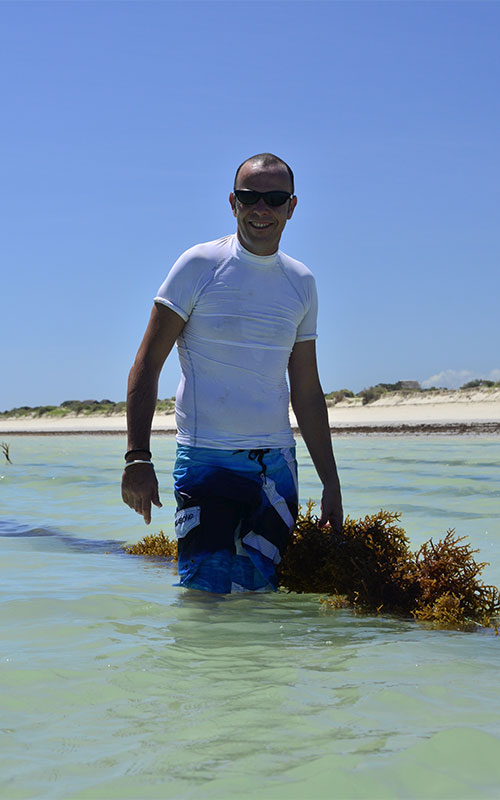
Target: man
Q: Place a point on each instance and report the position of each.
(241, 312)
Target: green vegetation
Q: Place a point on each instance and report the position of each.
(104, 408)
(333, 398)
(166, 406)
(480, 383)
(108, 408)
(373, 393)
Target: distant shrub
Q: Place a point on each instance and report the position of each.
(85, 407)
(56, 412)
(336, 397)
(40, 411)
(103, 410)
(21, 411)
(372, 394)
(165, 406)
(478, 383)
(401, 386)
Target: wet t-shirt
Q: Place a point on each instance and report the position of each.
(243, 315)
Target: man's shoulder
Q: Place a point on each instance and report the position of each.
(192, 271)
(211, 252)
(295, 267)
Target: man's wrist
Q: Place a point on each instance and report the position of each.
(138, 461)
(138, 453)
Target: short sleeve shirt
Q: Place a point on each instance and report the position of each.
(243, 315)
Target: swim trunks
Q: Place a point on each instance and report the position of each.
(235, 513)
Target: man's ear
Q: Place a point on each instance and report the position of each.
(232, 202)
(291, 207)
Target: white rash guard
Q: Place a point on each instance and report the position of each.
(243, 315)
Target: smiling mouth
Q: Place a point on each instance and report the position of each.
(260, 225)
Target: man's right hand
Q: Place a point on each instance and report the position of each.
(140, 489)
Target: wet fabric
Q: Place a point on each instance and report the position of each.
(235, 513)
(244, 313)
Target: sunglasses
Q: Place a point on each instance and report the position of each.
(275, 198)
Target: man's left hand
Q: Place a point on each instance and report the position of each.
(331, 507)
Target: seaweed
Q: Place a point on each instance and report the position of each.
(155, 544)
(369, 567)
(450, 588)
(5, 450)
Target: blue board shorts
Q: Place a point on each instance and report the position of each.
(235, 513)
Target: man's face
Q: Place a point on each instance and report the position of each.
(259, 225)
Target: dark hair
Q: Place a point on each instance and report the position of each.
(267, 160)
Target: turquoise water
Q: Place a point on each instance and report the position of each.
(115, 684)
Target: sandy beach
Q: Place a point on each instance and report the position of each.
(461, 411)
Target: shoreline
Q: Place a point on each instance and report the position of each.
(345, 422)
(461, 412)
(453, 429)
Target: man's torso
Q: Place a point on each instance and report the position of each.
(243, 313)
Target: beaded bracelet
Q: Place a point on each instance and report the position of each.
(137, 450)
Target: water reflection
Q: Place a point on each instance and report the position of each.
(44, 538)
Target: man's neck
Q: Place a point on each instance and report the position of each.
(270, 250)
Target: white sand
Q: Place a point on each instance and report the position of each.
(429, 408)
(473, 407)
(97, 424)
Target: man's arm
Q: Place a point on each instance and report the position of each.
(309, 407)
(139, 483)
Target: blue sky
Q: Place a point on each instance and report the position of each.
(121, 127)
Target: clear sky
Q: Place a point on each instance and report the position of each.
(121, 126)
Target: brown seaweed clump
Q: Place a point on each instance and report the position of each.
(370, 568)
(450, 590)
(155, 544)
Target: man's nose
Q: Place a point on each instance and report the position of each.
(261, 206)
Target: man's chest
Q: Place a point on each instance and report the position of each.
(255, 307)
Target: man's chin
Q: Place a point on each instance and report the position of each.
(260, 237)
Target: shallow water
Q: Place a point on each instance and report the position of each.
(115, 684)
